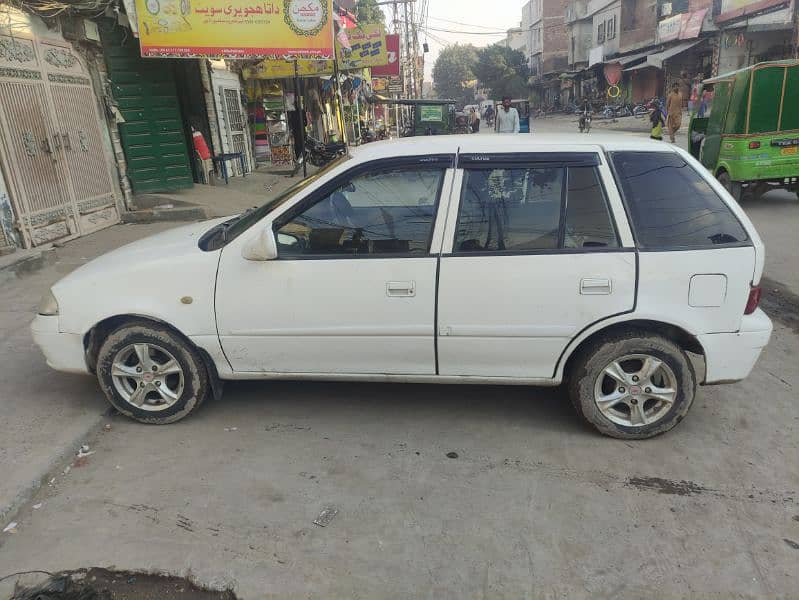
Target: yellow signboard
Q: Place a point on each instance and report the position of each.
(278, 69)
(236, 28)
(368, 48)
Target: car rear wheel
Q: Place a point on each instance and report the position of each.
(151, 374)
(733, 187)
(632, 386)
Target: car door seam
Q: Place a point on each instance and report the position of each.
(216, 315)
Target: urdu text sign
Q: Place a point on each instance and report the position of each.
(236, 29)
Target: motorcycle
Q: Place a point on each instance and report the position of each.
(319, 153)
(585, 121)
(644, 108)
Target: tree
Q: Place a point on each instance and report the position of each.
(504, 70)
(367, 11)
(453, 74)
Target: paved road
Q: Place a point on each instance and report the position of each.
(534, 505)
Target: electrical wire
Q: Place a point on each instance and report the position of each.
(494, 33)
(460, 23)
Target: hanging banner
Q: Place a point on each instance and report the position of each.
(235, 29)
(612, 72)
(276, 68)
(368, 48)
(393, 55)
(685, 26)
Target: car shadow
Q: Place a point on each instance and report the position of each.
(539, 408)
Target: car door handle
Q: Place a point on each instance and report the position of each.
(595, 286)
(401, 289)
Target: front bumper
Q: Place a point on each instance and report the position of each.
(63, 351)
(732, 356)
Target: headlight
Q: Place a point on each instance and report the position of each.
(48, 305)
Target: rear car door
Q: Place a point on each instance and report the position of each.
(532, 256)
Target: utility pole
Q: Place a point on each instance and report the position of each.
(407, 74)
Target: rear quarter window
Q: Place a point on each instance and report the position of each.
(671, 205)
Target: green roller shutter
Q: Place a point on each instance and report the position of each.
(152, 135)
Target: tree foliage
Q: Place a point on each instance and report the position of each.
(453, 74)
(504, 70)
(367, 11)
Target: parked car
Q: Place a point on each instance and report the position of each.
(480, 259)
(748, 137)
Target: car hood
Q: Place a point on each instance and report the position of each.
(167, 246)
(166, 277)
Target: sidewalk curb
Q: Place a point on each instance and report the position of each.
(58, 458)
(190, 213)
(12, 261)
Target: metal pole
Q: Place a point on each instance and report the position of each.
(339, 104)
(301, 113)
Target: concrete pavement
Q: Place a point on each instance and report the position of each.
(534, 504)
(45, 415)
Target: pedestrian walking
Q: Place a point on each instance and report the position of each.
(656, 119)
(674, 111)
(507, 118)
(474, 121)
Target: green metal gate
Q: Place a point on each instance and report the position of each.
(152, 135)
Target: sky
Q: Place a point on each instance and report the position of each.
(462, 18)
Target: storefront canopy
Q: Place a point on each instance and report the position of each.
(656, 60)
(626, 60)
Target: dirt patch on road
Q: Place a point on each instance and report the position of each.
(102, 584)
(667, 486)
(780, 303)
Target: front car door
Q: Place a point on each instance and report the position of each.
(532, 256)
(353, 288)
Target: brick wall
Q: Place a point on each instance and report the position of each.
(639, 23)
(556, 36)
(699, 4)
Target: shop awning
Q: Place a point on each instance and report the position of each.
(656, 60)
(626, 60)
(643, 65)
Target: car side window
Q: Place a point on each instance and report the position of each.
(588, 222)
(671, 205)
(381, 212)
(534, 208)
(509, 209)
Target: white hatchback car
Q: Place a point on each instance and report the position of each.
(451, 259)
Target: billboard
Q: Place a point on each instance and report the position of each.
(393, 55)
(736, 9)
(368, 48)
(236, 28)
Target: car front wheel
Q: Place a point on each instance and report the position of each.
(632, 386)
(151, 374)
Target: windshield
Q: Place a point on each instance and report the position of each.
(247, 219)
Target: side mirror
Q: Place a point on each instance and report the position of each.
(261, 247)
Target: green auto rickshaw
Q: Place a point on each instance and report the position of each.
(745, 128)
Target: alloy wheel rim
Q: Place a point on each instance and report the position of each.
(636, 390)
(147, 376)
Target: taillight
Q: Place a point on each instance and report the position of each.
(753, 300)
(754, 145)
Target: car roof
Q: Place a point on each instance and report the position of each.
(499, 143)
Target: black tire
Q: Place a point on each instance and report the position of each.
(733, 187)
(592, 361)
(195, 380)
